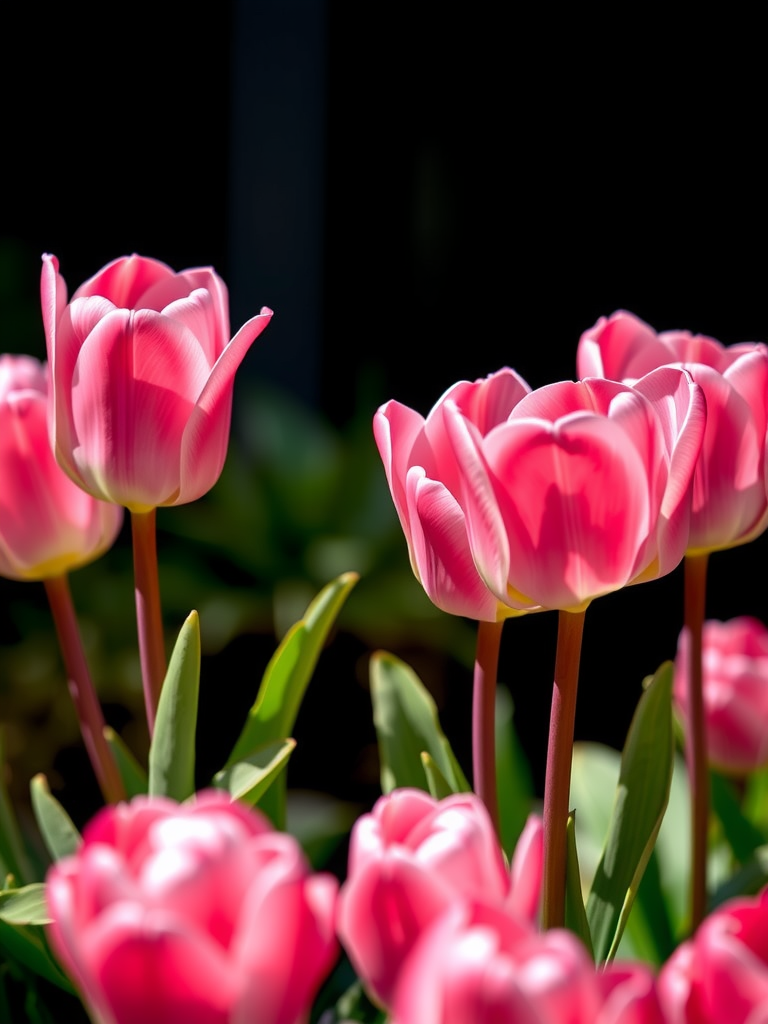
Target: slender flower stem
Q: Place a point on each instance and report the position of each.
(484, 716)
(696, 745)
(149, 619)
(81, 689)
(557, 783)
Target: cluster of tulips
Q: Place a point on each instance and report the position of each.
(178, 904)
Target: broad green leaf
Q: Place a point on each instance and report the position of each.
(575, 915)
(407, 724)
(640, 801)
(56, 827)
(172, 750)
(438, 785)
(13, 856)
(756, 800)
(273, 714)
(247, 780)
(131, 772)
(513, 772)
(24, 906)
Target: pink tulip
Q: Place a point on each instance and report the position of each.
(48, 525)
(410, 859)
(735, 692)
(730, 494)
(721, 974)
(197, 912)
(142, 372)
(583, 489)
(478, 963)
(423, 477)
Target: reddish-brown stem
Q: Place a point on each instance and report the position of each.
(484, 716)
(81, 689)
(696, 740)
(149, 619)
(557, 783)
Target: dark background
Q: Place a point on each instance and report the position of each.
(423, 194)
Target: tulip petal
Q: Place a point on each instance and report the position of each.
(441, 557)
(135, 952)
(134, 387)
(620, 347)
(166, 293)
(575, 504)
(206, 435)
(396, 428)
(125, 280)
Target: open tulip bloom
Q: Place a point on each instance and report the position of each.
(465, 897)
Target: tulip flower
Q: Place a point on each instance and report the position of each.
(49, 527)
(197, 912)
(730, 489)
(721, 974)
(735, 692)
(143, 372)
(423, 477)
(410, 859)
(477, 963)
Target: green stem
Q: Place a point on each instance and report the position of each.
(696, 740)
(557, 783)
(149, 619)
(82, 690)
(484, 716)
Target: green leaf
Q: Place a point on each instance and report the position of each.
(247, 780)
(407, 724)
(172, 751)
(438, 785)
(641, 798)
(273, 714)
(131, 772)
(513, 771)
(24, 906)
(56, 827)
(575, 915)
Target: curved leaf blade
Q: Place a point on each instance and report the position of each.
(59, 834)
(407, 725)
(645, 777)
(172, 751)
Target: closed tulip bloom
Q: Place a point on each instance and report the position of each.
(583, 489)
(721, 974)
(423, 478)
(198, 912)
(410, 859)
(735, 692)
(730, 492)
(48, 525)
(143, 372)
(477, 963)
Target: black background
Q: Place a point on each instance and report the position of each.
(423, 193)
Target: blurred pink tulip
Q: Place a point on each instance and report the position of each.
(423, 477)
(197, 912)
(730, 493)
(584, 488)
(142, 374)
(735, 692)
(412, 857)
(48, 525)
(720, 976)
(477, 963)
